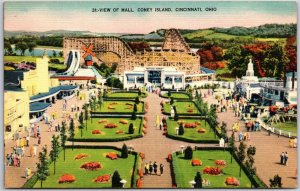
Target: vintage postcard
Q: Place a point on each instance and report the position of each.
(186, 94)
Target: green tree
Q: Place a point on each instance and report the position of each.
(31, 46)
(172, 101)
(113, 68)
(63, 138)
(231, 145)
(7, 47)
(133, 116)
(223, 129)
(131, 129)
(86, 115)
(54, 53)
(72, 132)
(81, 126)
(181, 129)
(124, 151)
(61, 53)
(135, 108)
(276, 182)
(198, 180)
(188, 152)
(250, 161)
(21, 46)
(241, 154)
(115, 180)
(54, 150)
(42, 166)
(137, 100)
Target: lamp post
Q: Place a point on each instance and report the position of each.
(177, 130)
(192, 183)
(123, 181)
(182, 149)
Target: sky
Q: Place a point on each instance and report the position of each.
(78, 16)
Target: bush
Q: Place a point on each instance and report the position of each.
(181, 129)
(198, 180)
(169, 93)
(172, 101)
(137, 100)
(176, 117)
(115, 180)
(131, 129)
(140, 92)
(276, 182)
(124, 151)
(135, 108)
(133, 116)
(188, 153)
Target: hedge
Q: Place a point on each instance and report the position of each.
(33, 180)
(121, 113)
(185, 114)
(191, 140)
(182, 99)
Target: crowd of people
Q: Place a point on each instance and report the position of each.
(152, 168)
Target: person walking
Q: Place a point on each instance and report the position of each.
(39, 139)
(155, 168)
(26, 173)
(282, 158)
(286, 157)
(150, 168)
(34, 150)
(161, 169)
(27, 140)
(146, 169)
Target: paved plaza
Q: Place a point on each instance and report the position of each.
(157, 146)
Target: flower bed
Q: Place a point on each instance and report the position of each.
(91, 166)
(110, 107)
(81, 156)
(190, 110)
(112, 156)
(103, 178)
(232, 181)
(212, 170)
(190, 125)
(139, 183)
(220, 162)
(96, 131)
(66, 178)
(196, 162)
(142, 155)
(201, 130)
(103, 121)
(119, 132)
(110, 126)
(130, 104)
(123, 121)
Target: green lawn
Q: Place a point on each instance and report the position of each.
(126, 95)
(18, 59)
(84, 178)
(120, 107)
(288, 126)
(108, 133)
(177, 95)
(198, 33)
(182, 107)
(185, 172)
(58, 66)
(191, 133)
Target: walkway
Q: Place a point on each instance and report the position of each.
(268, 150)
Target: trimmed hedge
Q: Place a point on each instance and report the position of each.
(144, 95)
(33, 180)
(191, 141)
(181, 92)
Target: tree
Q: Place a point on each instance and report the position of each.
(276, 182)
(124, 151)
(231, 145)
(7, 47)
(188, 152)
(31, 46)
(198, 180)
(223, 130)
(241, 155)
(131, 129)
(113, 67)
(61, 53)
(81, 126)
(54, 150)
(21, 46)
(137, 100)
(63, 138)
(42, 167)
(133, 116)
(176, 116)
(169, 93)
(135, 108)
(54, 53)
(86, 115)
(181, 129)
(250, 160)
(172, 101)
(72, 132)
(115, 180)
(139, 92)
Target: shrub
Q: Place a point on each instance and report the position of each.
(133, 116)
(140, 92)
(103, 178)
(124, 151)
(115, 180)
(137, 100)
(176, 117)
(91, 165)
(276, 182)
(169, 93)
(198, 180)
(66, 178)
(135, 108)
(188, 153)
(172, 101)
(181, 130)
(131, 129)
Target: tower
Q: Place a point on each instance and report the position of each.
(250, 71)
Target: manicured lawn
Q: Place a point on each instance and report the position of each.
(185, 172)
(84, 178)
(120, 107)
(126, 95)
(182, 107)
(177, 95)
(108, 133)
(192, 133)
(288, 126)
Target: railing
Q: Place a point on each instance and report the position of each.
(276, 131)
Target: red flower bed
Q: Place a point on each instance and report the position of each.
(66, 178)
(220, 162)
(212, 170)
(120, 132)
(142, 155)
(139, 183)
(112, 155)
(190, 125)
(91, 165)
(81, 156)
(114, 103)
(196, 162)
(140, 172)
(232, 181)
(96, 131)
(131, 104)
(201, 130)
(111, 107)
(190, 110)
(103, 178)
(110, 126)
(103, 121)
(123, 121)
